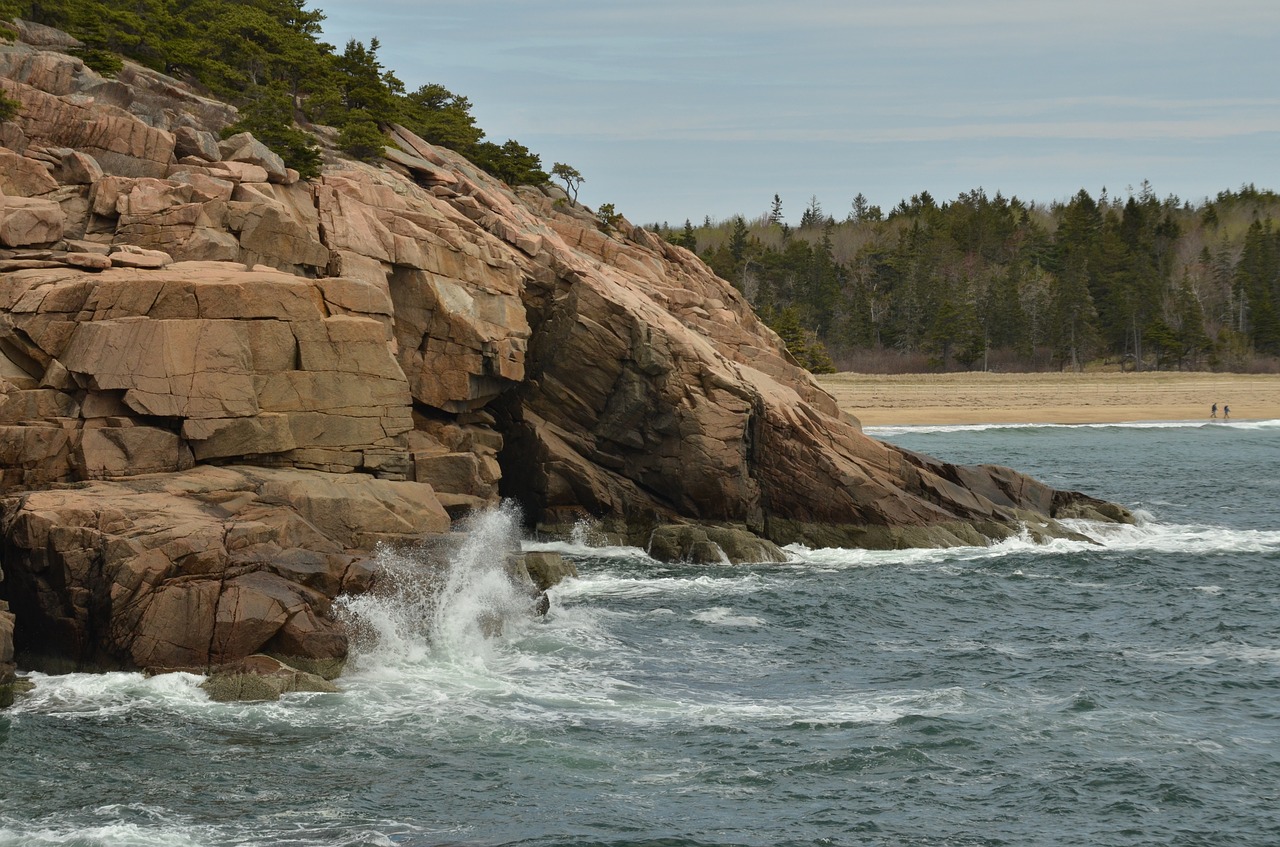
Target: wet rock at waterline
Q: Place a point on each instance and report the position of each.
(195, 569)
(7, 666)
(702, 545)
(547, 570)
(542, 570)
(260, 677)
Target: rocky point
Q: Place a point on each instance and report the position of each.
(222, 386)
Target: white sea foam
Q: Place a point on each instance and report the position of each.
(77, 695)
(635, 706)
(1147, 535)
(173, 833)
(839, 557)
(581, 548)
(430, 662)
(721, 616)
(427, 609)
(455, 644)
(1152, 536)
(107, 835)
(1211, 654)
(601, 585)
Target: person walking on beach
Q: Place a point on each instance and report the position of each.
(1213, 410)
(1226, 412)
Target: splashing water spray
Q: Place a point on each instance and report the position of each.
(445, 601)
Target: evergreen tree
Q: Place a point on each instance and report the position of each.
(688, 239)
(511, 162)
(361, 136)
(436, 114)
(812, 216)
(269, 115)
(738, 239)
(1074, 330)
(803, 345)
(8, 108)
(365, 87)
(1257, 285)
(861, 207)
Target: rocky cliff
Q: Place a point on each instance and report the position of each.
(221, 386)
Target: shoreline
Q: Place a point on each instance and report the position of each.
(975, 398)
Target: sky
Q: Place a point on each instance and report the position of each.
(673, 110)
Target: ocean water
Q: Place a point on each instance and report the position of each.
(1123, 693)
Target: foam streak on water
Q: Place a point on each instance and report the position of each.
(1120, 693)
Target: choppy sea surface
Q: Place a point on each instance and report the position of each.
(1124, 693)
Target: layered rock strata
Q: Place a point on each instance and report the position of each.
(223, 386)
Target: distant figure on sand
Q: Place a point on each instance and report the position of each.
(1213, 410)
(1226, 412)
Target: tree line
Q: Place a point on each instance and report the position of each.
(267, 58)
(980, 281)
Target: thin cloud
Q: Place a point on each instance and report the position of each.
(729, 100)
(1092, 130)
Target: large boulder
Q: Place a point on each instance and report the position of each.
(189, 141)
(243, 147)
(159, 100)
(22, 176)
(278, 225)
(200, 568)
(27, 221)
(40, 35)
(710, 544)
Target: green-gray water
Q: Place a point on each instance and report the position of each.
(1121, 694)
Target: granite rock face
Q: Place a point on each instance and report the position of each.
(199, 568)
(144, 371)
(221, 386)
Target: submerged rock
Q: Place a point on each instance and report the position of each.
(702, 545)
(260, 677)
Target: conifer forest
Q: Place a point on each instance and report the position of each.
(1131, 281)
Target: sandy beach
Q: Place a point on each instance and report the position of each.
(1066, 398)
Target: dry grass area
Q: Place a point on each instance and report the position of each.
(964, 398)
